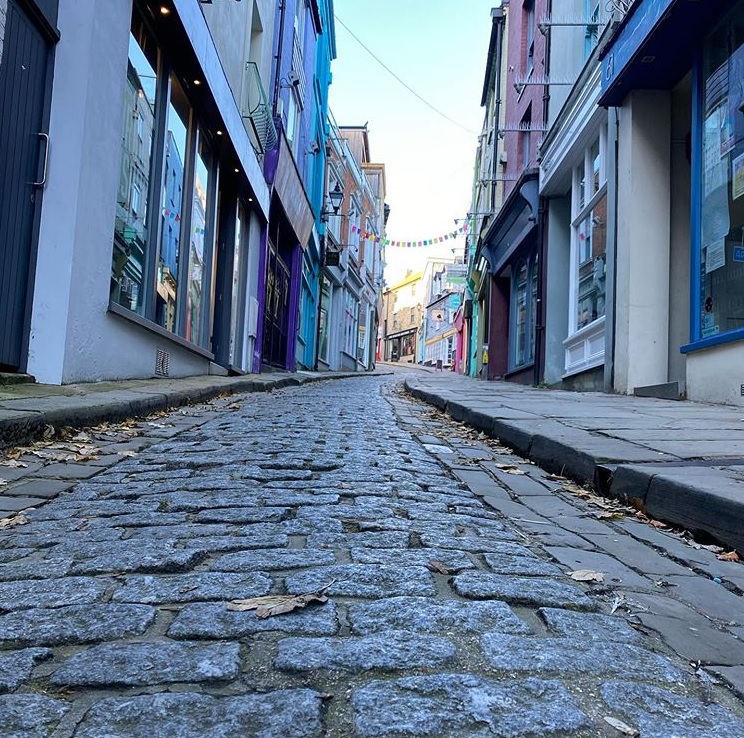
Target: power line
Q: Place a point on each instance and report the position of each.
(395, 76)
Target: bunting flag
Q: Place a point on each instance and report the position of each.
(172, 214)
(366, 236)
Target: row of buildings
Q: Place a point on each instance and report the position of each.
(175, 197)
(607, 243)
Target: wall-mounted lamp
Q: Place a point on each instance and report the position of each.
(336, 196)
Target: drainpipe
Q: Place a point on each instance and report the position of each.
(278, 57)
(497, 16)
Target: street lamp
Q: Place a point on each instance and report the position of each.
(336, 196)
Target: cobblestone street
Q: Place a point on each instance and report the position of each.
(440, 564)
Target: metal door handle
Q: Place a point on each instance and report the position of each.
(44, 136)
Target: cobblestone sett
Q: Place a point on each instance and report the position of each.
(115, 665)
(386, 539)
(125, 556)
(295, 499)
(273, 560)
(474, 544)
(75, 624)
(451, 560)
(29, 715)
(530, 591)
(138, 520)
(46, 540)
(184, 530)
(290, 713)
(242, 515)
(529, 566)
(391, 650)
(212, 620)
(15, 666)
(574, 656)
(463, 706)
(63, 509)
(35, 569)
(366, 510)
(308, 525)
(434, 616)
(657, 713)
(213, 544)
(192, 587)
(364, 580)
(588, 626)
(26, 594)
(12, 554)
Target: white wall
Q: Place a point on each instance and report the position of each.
(643, 241)
(557, 279)
(715, 375)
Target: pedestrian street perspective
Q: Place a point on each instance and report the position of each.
(378, 569)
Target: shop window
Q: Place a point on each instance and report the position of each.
(325, 307)
(521, 337)
(165, 203)
(720, 301)
(131, 238)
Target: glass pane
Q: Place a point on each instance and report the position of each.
(596, 167)
(176, 137)
(591, 260)
(722, 225)
(581, 188)
(198, 252)
(129, 256)
(237, 307)
(521, 337)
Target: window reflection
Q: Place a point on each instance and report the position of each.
(592, 247)
(130, 229)
(199, 236)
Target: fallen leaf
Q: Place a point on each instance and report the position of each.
(586, 575)
(234, 406)
(48, 431)
(730, 556)
(271, 605)
(3, 482)
(624, 728)
(13, 463)
(437, 566)
(19, 519)
(657, 524)
(127, 452)
(610, 515)
(619, 601)
(555, 478)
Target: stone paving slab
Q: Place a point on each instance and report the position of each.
(29, 715)
(74, 624)
(391, 651)
(215, 621)
(16, 666)
(463, 706)
(291, 713)
(25, 594)
(530, 591)
(117, 665)
(423, 615)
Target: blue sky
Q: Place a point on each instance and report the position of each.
(438, 48)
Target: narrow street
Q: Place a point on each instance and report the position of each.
(429, 583)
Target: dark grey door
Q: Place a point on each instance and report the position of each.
(24, 70)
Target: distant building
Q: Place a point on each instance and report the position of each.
(402, 318)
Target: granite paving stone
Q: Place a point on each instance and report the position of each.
(213, 621)
(549, 656)
(657, 713)
(465, 706)
(531, 591)
(453, 561)
(75, 624)
(289, 713)
(588, 626)
(122, 556)
(531, 566)
(13, 554)
(273, 560)
(131, 664)
(35, 568)
(29, 715)
(385, 539)
(237, 515)
(472, 543)
(15, 666)
(388, 651)
(31, 593)
(192, 587)
(424, 615)
(364, 580)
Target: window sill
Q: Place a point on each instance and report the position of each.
(158, 330)
(710, 341)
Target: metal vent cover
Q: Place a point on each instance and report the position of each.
(162, 363)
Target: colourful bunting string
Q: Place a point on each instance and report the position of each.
(172, 214)
(366, 236)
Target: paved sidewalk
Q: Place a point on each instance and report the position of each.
(26, 409)
(682, 462)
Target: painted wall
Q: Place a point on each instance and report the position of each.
(643, 241)
(714, 375)
(3, 15)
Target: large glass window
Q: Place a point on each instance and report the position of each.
(176, 138)
(589, 250)
(721, 300)
(129, 256)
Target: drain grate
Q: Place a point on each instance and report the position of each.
(162, 362)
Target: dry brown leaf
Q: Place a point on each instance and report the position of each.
(730, 556)
(3, 482)
(616, 515)
(555, 478)
(586, 575)
(624, 728)
(437, 566)
(657, 524)
(19, 519)
(127, 452)
(234, 406)
(13, 463)
(271, 605)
